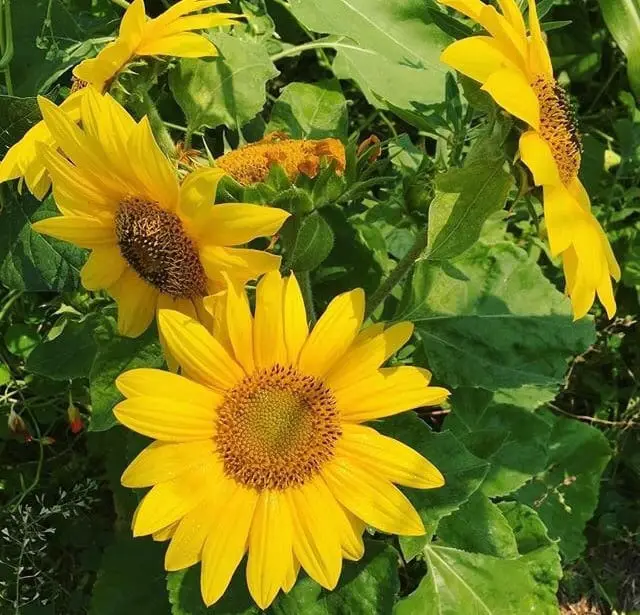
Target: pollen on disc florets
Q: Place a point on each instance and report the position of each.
(276, 428)
(559, 127)
(153, 241)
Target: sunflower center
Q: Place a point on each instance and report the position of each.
(558, 127)
(276, 428)
(153, 241)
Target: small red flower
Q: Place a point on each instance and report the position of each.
(76, 424)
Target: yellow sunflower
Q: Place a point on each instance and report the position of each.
(514, 67)
(260, 446)
(169, 35)
(155, 242)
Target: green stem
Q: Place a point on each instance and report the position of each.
(304, 279)
(121, 3)
(160, 131)
(403, 266)
(6, 43)
(294, 51)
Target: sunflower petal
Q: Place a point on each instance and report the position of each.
(333, 333)
(240, 325)
(537, 155)
(181, 45)
(137, 302)
(82, 232)
(296, 328)
(511, 90)
(239, 264)
(268, 334)
(103, 268)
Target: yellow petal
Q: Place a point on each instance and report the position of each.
(146, 382)
(188, 540)
(364, 358)
(240, 325)
(200, 22)
(235, 224)
(227, 540)
(239, 264)
(605, 294)
(157, 174)
(133, 20)
(505, 34)
(165, 533)
(99, 71)
(536, 154)
(268, 335)
(511, 90)
(513, 15)
(171, 500)
(199, 354)
(372, 498)
(291, 576)
(162, 461)
(82, 232)
(539, 60)
(350, 530)
(389, 391)
(333, 333)
(296, 328)
(216, 306)
(103, 268)
(167, 419)
(315, 541)
(136, 303)
(561, 213)
(477, 57)
(269, 547)
(198, 194)
(182, 45)
(393, 460)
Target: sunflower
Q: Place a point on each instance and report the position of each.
(169, 34)
(155, 243)
(260, 445)
(514, 67)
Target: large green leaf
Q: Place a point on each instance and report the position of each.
(116, 355)
(565, 494)
(623, 20)
(310, 111)
(131, 579)
(17, 115)
(491, 319)
(30, 261)
(462, 471)
(67, 356)
(228, 89)
(514, 440)
(311, 244)
(479, 526)
(462, 582)
(368, 586)
(466, 197)
(398, 59)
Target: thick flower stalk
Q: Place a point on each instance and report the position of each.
(251, 164)
(260, 446)
(154, 242)
(514, 67)
(170, 34)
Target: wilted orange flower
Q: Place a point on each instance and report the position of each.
(251, 164)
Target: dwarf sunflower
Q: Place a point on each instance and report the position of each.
(515, 69)
(169, 34)
(260, 445)
(155, 243)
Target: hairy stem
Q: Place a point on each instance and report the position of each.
(401, 269)
(304, 279)
(160, 131)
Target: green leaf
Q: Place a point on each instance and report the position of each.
(565, 495)
(31, 261)
(228, 89)
(312, 243)
(368, 586)
(21, 339)
(479, 526)
(115, 356)
(529, 530)
(400, 46)
(131, 579)
(310, 111)
(67, 356)
(514, 440)
(465, 198)
(623, 20)
(462, 471)
(17, 115)
(498, 324)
